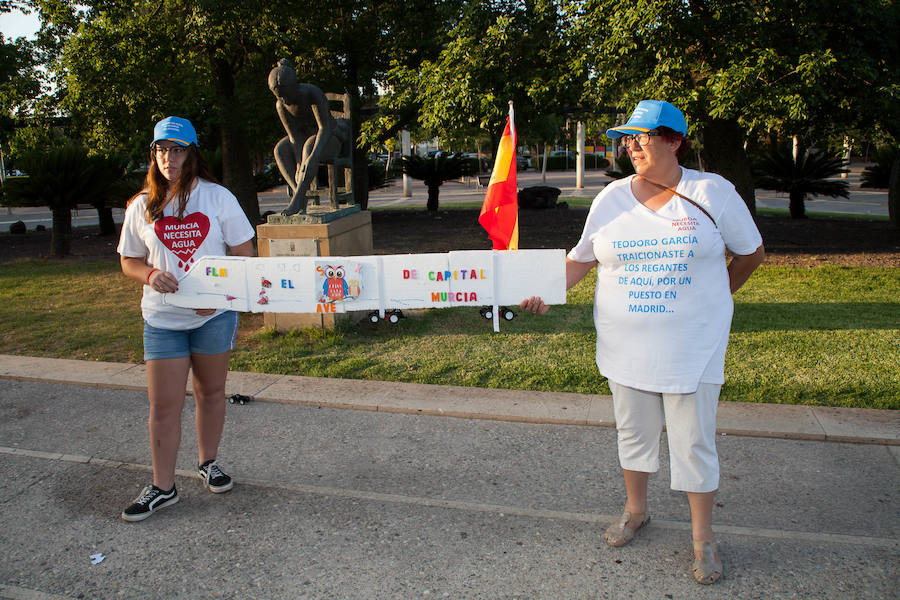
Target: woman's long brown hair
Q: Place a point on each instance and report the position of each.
(160, 190)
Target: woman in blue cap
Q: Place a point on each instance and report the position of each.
(180, 216)
(662, 310)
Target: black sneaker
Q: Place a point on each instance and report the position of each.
(150, 500)
(213, 478)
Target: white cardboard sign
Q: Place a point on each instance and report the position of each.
(320, 284)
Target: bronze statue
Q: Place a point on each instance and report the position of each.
(313, 137)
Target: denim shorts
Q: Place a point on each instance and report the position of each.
(213, 337)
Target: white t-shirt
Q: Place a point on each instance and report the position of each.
(213, 219)
(663, 306)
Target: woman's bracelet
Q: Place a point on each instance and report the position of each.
(150, 274)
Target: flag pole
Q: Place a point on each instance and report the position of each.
(499, 212)
(496, 308)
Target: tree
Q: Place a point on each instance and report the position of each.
(357, 50)
(19, 85)
(123, 66)
(737, 66)
(808, 175)
(497, 51)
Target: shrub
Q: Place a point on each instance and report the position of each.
(379, 176)
(561, 162)
(268, 178)
(595, 161)
(625, 167)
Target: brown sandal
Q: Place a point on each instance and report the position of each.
(619, 533)
(707, 568)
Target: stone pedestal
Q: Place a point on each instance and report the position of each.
(346, 232)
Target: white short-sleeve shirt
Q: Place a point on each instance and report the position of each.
(213, 220)
(662, 306)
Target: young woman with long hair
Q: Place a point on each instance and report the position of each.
(181, 215)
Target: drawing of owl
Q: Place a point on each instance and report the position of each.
(334, 287)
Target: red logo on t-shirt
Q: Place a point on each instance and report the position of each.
(685, 224)
(183, 237)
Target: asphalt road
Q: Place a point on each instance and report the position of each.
(334, 503)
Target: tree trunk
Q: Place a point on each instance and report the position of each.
(723, 152)
(360, 157)
(433, 191)
(237, 173)
(544, 164)
(360, 177)
(106, 221)
(797, 205)
(237, 170)
(61, 232)
(894, 193)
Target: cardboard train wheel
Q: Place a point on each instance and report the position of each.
(239, 399)
(507, 314)
(487, 312)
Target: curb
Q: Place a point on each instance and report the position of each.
(793, 422)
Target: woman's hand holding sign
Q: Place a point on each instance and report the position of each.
(534, 305)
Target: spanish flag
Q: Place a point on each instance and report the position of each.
(500, 211)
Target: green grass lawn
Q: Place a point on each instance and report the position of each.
(826, 336)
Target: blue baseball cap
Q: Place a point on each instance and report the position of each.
(648, 115)
(175, 129)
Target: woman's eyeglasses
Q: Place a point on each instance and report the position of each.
(641, 138)
(174, 150)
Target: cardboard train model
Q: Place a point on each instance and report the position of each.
(381, 284)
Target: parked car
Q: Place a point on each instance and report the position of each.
(485, 162)
(522, 162)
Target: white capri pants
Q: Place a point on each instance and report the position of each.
(690, 426)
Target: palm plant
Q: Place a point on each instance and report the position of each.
(62, 178)
(809, 175)
(625, 167)
(879, 174)
(435, 171)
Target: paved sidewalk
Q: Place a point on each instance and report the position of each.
(392, 501)
(855, 425)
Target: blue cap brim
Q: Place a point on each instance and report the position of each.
(617, 132)
(179, 142)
